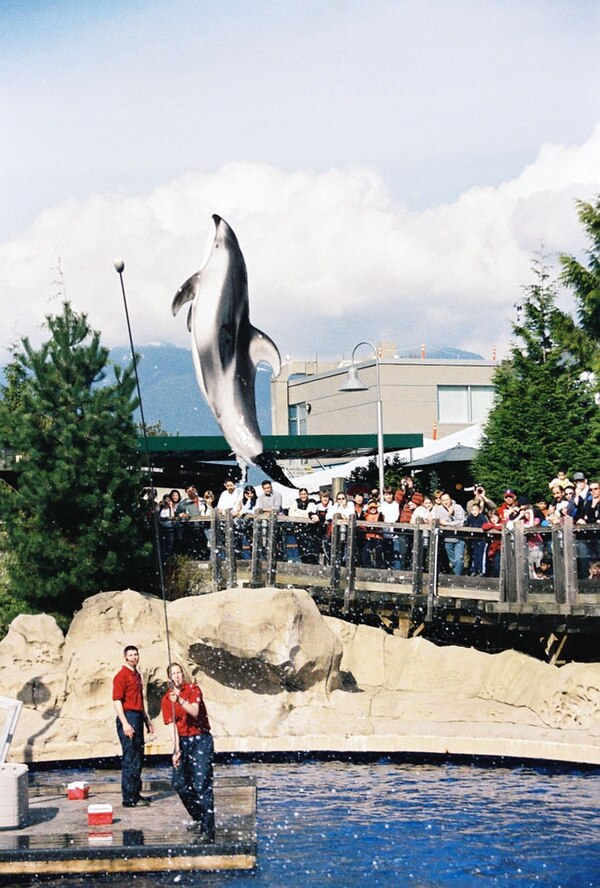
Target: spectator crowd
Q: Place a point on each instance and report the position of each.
(471, 538)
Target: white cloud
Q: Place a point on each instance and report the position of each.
(331, 256)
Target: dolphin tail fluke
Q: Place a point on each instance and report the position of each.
(186, 293)
(262, 348)
(268, 464)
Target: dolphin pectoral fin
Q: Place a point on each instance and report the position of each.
(186, 293)
(189, 320)
(262, 348)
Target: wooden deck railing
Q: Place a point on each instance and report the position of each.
(272, 551)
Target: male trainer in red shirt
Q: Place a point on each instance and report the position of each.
(128, 699)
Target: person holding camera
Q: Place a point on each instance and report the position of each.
(480, 498)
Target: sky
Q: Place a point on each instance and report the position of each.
(390, 168)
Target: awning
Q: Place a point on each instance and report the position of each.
(458, 453)
(216, 449)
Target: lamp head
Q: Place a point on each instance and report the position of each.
(354, 383)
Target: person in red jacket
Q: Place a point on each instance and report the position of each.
(183, 704)
(128, 700)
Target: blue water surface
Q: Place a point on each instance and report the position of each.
(395, 824)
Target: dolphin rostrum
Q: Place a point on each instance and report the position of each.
(226, 347)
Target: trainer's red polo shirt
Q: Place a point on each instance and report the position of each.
(127, 687)
(187, 725)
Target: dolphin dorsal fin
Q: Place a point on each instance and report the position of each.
(262, 348)
(186, 293)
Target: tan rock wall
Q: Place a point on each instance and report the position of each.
(277, 675)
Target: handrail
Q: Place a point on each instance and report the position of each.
(272, 540)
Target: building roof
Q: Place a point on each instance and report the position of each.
(215, 448)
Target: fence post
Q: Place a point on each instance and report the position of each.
(230, 550)
(256, 563)
(570, 561)
(508, 586)
(434, 566)
(272, 548)
(349, 591)
(558, 564)
(334, 557)
(215, 550)
(521, 562)
(417, 559)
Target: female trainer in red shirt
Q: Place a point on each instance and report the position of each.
(194, 749)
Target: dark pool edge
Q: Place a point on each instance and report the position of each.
(307, 756)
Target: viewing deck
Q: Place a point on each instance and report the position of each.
(272, 552)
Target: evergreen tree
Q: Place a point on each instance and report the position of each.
(584, 341)
(394, 469)
(74, 525)
(544, 414)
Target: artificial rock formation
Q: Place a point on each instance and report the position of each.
(278, 676)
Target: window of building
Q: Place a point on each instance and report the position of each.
(297, 414)
(464, 403)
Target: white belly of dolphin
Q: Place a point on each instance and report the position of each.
(226, 348)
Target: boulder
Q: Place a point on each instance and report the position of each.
(33, 640)
(263, 640)
(31, 662)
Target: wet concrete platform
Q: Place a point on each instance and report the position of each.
(57, 839)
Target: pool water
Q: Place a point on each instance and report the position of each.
(395, 824)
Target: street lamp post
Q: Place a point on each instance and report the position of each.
(355, 384)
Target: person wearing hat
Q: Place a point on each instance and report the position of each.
(510, 501)
(372, 549)
(582, 495)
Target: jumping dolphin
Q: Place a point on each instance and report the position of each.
(226, 347)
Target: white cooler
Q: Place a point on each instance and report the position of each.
(14, 796)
